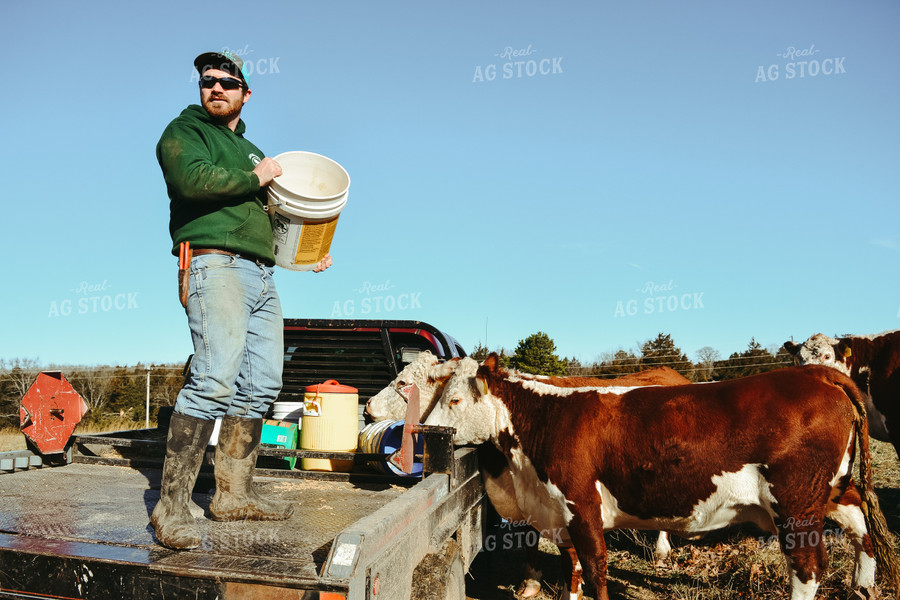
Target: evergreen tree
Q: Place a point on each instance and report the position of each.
(620, 363)
(574, 367)
(755, 359)
(480, 352)
(662, 352)
(537, 354)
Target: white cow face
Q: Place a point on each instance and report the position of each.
(467, 407)
(427, 372)
(389, 403)
(821, 350)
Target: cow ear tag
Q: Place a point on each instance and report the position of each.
(482, 386)
(847, 352)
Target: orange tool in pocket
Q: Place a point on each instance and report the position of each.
(184, 271)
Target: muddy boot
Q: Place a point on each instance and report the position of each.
(171, 519)
(235, 498)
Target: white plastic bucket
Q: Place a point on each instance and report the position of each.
(304, 204)
(287, 411)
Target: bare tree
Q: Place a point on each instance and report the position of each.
(19, 374)
(94, 385)
(707, 356)
(16, 377)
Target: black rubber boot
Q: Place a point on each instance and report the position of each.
(186, 444)
(235, 498)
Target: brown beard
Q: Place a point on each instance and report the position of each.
(223, 113)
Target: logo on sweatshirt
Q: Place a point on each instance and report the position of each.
(254, 159)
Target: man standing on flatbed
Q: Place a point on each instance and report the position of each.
(216, 181)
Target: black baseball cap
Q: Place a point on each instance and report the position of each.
(223, 61)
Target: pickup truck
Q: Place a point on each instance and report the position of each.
(78, 527)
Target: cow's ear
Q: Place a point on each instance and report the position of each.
(491, 362)
(791, 347)
(482, 386)
(444, 369)
(845, 350)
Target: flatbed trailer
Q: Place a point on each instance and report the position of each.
(81, 529)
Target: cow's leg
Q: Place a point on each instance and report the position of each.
(571, 574)
(532, 585)
(848, 514)
(663, 547)
(888, 407)
(586, 531)
(893, 427)
(575, 575)
(800, 535)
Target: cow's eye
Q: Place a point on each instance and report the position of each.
(827, 357)
(454, 401)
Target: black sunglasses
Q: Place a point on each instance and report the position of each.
(227, 83)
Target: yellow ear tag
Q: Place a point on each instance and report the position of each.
(482, 386)
(847, 352)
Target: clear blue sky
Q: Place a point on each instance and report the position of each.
(600, 171)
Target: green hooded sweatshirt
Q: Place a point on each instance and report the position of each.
(215, 200)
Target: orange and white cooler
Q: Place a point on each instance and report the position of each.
(330, 423)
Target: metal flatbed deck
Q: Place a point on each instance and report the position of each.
(102, 513)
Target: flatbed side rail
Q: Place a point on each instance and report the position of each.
(380, 552)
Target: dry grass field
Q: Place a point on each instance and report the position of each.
(737, 564)
(12, 439)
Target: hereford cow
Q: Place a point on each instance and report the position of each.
(873, 362)
(431, 375)
(774, 449)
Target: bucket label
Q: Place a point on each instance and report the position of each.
(280, 228)
(315, 241)
(312, 408)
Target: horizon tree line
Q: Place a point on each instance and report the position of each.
(117, 393)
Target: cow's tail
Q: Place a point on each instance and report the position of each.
(879, 533)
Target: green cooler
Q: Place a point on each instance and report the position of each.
(280, 434)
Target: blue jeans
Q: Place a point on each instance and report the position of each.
(237, 328)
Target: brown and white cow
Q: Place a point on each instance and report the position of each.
(774, 449)
(430, 375)
(873, 362)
